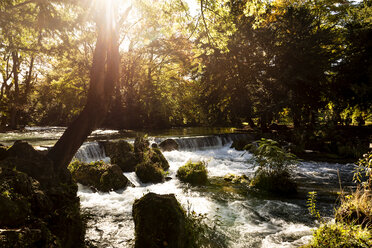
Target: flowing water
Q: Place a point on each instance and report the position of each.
(240, 217)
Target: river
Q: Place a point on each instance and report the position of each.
(239, 217)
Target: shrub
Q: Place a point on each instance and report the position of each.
(194, 173)
(274, 165)
(336, 235)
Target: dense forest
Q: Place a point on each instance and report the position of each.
(219, 63)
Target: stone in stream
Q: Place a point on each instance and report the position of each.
(99, 175)
(169, 145)
(159, 221)
(122, 154)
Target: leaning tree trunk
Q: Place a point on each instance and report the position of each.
(103, 77)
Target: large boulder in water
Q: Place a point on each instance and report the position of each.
(159, 222)
(122, 154)
(169, 145)
(102, 176)
(153, 166)
(194, 173)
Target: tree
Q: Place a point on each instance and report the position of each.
(103, 77)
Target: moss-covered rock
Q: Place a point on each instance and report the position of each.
(148, 163)
(23, 157)
(194, 173)
(149, 172)
(236, 179)
(155, 156)
(102, 176)
(141, 144)
(122, 154)
(159, 222)
(35, 213)
(169, 145)
(279, 182)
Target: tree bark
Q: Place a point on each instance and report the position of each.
(103, 78)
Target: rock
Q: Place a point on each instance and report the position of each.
(159, 222)
(104, 177)
(278, 183)
(122, 154)
(154, 145)
(194, 173)
(39, 207)
(23, 157)
(156, 156)
(169, 145)
(236, 179)
(149, 172)
(141, 144)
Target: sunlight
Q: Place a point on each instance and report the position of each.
(106, 10)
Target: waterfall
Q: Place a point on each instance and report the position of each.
(207, 142)
(91, 151)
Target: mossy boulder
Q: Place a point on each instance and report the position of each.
(122, 154)
(148, 163)
(156, 156)
(278, 182)
(236, 179)
(34, 213)
(102, 176)
(141, 144)
(169, 145)
(159, 222)
(23, 157)
(149, 172)
(194, 173)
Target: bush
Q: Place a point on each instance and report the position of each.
(340, 235)
(194, 173)
(274, 166)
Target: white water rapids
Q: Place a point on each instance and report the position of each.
(241, 219)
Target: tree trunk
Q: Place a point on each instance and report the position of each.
(103, 77)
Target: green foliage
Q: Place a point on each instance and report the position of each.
(363, 171)
(200, 233)
(270, 157)
(311, 205)
(194, 173)
(339, 235)
(274, 167)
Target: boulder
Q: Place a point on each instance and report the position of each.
(194, 173)
(169, 145)
(159, 222)
(122, 154)
(149, 172)
(23, 157)
(156, 156)
(102, 176)
(141, 144)
(39, 207)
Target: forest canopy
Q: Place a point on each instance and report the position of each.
(219, 63)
